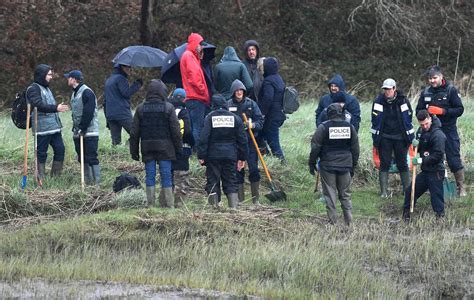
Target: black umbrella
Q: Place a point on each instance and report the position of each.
(171, 73)
(140, 56)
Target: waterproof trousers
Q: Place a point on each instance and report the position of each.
(336, 185)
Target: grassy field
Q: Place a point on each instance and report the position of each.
(282, 250)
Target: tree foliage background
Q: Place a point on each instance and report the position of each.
(364, 40)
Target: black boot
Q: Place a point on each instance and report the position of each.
(57, 168)
(383, 181)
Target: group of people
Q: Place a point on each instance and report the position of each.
(335, 147)
(214, 114)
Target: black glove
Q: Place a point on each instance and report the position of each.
(139, 81)
(312, 168)
(136, 157)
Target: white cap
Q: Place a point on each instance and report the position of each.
(389, 83)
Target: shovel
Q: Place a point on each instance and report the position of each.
(275, 194)
(25, 160)
(39, 182)
(81, 139)
(413, 179)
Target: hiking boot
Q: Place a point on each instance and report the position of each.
(241, 193)
(233, 200)
(459, 176)
(405, 178)
(150, 195)
(57, 168)
(383, 181)
(254, 189)
(41, 170)
(96, 173)
(168, 196)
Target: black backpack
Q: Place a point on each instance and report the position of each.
(126, 181)
(19, 110)
(290, 100)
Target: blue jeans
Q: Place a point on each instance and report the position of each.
(165, 173)
(271, 133)
(197, 112)
(56, 142)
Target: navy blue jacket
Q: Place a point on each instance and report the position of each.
(117, 95)
(404, 117)
(432, 147)
(352, 105)
(271, 94)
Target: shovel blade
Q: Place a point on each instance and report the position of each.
(275, 196)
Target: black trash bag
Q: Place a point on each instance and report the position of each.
(126, 181)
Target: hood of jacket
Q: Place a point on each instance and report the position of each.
(270, 66)
(336, 112)
(156, 90)
(339, 81)
(249, 43)
(218, 101)
(237, 85)
(40, 74)
(194, 39)
(230, 55)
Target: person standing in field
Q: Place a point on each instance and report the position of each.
(431, 146)
(252, 54)
(223, 149)
(240, 104)
(442, 99)
(117, 101)
(336, 144)
(392, 132)
(49, 125)
(155, 131)
(194, 82)
(336, 84)
(85, 123)
(229, 69)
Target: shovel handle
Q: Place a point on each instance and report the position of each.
(81, 138)
(25, 159)
(258, 150)
(413, 179)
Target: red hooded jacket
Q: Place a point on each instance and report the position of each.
(192, 74)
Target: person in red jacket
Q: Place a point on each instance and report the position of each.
(194, 83)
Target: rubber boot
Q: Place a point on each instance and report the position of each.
(57, 168)
(213, 199)
(161, 199)
(459, 176)
(241, 193)
(41, 170)
(347, 217)
(405, 178)
(96, 174)
(233, 200)
(254, 189)
(88, 177)
(406, 215)
(168, 196)
(150, 195)
(383, 181)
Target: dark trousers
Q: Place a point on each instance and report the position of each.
(91, 144)
(56, 142)
(252, 163)
(453, 148)
(271, 133)
(432, 181)
(197, 112)
(222, 170)
(116, 126)
(336, 185)
(399, 148)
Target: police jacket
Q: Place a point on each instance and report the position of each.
(222, 137)
(40, 96)
(84, 111)
(336, 143)
(117, 95)
(155, 126)
(403, 114)
(432, 147)
(247, 106)
(445, 96)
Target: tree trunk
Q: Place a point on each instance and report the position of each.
(145, 19)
